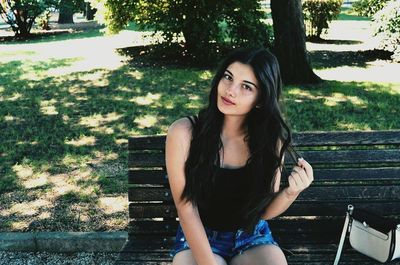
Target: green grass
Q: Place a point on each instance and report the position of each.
(61, 36)
(333, 106)
(349, 14)
(64, 136)
(56, 124)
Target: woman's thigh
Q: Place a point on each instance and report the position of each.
(260, 255)
(185, 257)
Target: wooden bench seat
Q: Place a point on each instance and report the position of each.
(359, 168)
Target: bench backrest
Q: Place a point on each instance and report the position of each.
(359, 168)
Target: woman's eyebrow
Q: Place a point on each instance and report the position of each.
(229, 72)
(243, 80)
(250, 83)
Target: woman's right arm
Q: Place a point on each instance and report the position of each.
(176, 152)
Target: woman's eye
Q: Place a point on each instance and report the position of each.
(227, 77)
(247, 87)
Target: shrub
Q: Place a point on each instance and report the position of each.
(318, 14)
(368, 8)
(43, 20)
(203, 25)
(21, 15)
(386, 23)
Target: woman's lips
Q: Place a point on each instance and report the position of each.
(227, 101)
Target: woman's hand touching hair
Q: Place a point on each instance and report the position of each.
(301, 177)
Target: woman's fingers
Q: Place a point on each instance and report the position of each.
(307, 167)
(300, 178)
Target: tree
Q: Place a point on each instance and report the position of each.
(227, 22)
(21, 14)
(290, 43)
(203, 24)
(89, 11)
(67, 9)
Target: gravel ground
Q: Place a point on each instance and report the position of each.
(43, 258)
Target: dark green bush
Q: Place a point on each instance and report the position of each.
(199, 25)
(318, 14)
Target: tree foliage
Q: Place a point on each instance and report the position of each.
(318, 14)
(21, 14)
(201, 24)
(368, 8)
(386, 23)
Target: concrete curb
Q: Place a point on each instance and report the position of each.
(59, 242)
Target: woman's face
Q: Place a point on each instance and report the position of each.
(238, 90)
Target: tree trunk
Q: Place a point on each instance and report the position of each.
(66, 12)
(23, 24)
(89, 12)
(290, 42)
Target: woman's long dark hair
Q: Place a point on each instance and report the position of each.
(266, 132)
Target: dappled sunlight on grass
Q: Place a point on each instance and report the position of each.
(145, 121)
(353, 126)
(47, 107)
(337, 98)
(7, 56)
(13, 97)
(97, 120)
(113, 204)
(37, 70)
(23, 171)
(342, 106)
(38, 180)
(147, 99)
(136, 74)
(69, 107)
(83, 141)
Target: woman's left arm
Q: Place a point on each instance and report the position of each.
(300, 178)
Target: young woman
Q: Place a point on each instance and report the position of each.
(224, 167)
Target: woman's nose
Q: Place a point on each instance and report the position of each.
(232, 89)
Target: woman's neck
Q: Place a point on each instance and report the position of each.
(233, 127)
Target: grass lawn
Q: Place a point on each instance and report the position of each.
(66, 113)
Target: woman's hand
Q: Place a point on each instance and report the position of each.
(300, 178)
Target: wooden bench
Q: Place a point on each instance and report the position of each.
(361, 168)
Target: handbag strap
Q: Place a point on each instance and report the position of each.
(343, 236)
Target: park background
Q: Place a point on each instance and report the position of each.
(70, 97)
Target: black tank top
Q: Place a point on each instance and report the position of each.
(226, 201)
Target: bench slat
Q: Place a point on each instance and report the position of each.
(158, 177)
(328, 193)
(297, 209)
(343, 138)
(313, 157)
(331, 225)
(310, 228)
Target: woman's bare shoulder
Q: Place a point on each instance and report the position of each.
(181, 129)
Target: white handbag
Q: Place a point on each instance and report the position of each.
(371, 235)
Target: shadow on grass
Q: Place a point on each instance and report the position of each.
(174, 55)
(59, 35)
(334, 42)
(64, 126)
(332, 59)
(343, 106)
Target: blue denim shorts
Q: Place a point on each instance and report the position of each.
(229, 244)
